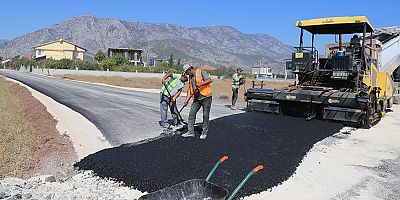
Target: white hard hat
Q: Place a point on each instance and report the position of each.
(186, 67)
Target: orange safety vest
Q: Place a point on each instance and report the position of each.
(205, 90)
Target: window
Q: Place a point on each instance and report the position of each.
(76, 54)
(40, 52)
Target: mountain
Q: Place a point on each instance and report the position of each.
(214, 45)
(3, 42)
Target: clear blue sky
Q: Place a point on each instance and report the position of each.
(276, 18)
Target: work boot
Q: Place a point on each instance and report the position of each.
(165, 126)
(178, 127)
(188, 134)
(203, 136)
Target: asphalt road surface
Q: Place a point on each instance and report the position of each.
(123, 116)
(249, 139)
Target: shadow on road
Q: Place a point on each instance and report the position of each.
(277, 142)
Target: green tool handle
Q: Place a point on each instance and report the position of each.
(216, 166)
(256, 169)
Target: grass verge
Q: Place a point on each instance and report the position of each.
(18, 140)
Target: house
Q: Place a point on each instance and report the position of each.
(133, 55)
(58, 50)
(5, 61)
(265, 72)
(154, 61)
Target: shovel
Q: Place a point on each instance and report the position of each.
(176, 107)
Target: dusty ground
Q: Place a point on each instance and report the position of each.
(221, 87)
(83, 185)
(352, 164)
(29, 139)
(152, 83)
(86, 138)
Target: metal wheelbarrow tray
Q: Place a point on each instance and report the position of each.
(198, 189)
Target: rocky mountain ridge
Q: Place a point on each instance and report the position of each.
(214, 45)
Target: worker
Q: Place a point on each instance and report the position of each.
(235, 87)
(171, 86)
(355, 40)
(201, 92)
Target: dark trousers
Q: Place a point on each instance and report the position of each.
(196, 105)
(235, 94)
(165, 102)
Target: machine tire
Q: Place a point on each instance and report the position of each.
(249, 108)
(390, 102)
(383, 105)
(367, 122)
(372, 111)
(396, 99)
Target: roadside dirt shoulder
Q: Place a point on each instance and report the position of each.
(54, 153)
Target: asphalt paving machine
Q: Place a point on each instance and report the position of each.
(347, 85)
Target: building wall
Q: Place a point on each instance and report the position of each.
(59, 50)
(255, 71)
(261, 71)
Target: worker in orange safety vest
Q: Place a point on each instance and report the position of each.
(201, 92)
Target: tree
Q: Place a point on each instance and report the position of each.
(65, 63)
(49, 64)
(28, 63)
(171, 60)
(223, 71)
(179, 62)
(15, 63)
(161, 67)
(100, 56)
(115, 62)
(90, 65)
(229, 72)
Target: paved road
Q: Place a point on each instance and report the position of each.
(370, 156)
(123, 116)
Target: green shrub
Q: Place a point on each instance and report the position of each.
(165, 67)
(49, 64)
(223, 71)
(100, 56)
(141, 69)
(64, 64)
(115, 63)
(17, 62)
(85, 65)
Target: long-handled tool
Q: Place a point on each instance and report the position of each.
(184, 105)
(256, 169)
(176, 107)
(221, 160)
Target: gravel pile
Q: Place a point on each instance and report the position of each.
(249, 139)
(81, 186)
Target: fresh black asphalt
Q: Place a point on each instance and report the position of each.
(249, 139)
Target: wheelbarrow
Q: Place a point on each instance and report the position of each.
(199, 189)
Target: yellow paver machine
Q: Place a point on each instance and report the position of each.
(346, 85)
